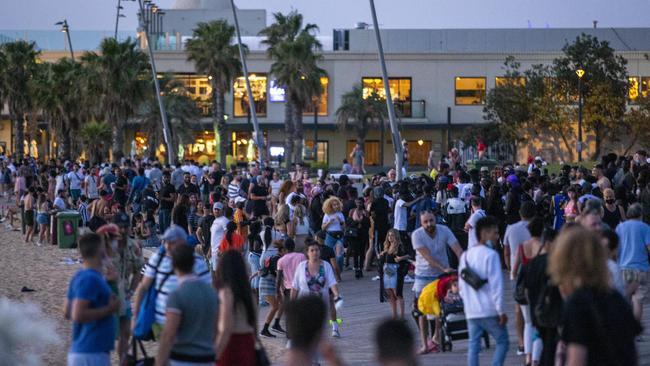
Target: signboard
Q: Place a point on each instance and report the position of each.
(276, 93)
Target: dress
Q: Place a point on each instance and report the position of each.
(267, 282)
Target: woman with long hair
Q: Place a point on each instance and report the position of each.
(232, 240)
(597, 324)
(357, 234)
(255, 247)
(43, 219)
(285, 189)
(268, 288)
(180, 212)
(334, 225)
(235, 342)
(300, 227)
(571, 207)
(393, 259)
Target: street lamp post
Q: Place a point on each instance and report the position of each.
(66, 29)
(161, 105)
(580, 73)
(258, 137)
(397, 140)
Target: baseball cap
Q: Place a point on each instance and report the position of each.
(174, 233)
(217, 206)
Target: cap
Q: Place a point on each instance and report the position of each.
(217, 206)
(485, 169)
(174, 233)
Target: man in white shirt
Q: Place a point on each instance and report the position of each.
(470, 225)
(484, 307)
(75, 179)
(217, 231)
(516, 234)
(90, 185)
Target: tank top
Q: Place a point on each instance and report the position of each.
(612, 218)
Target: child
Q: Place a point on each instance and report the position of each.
(90, 305)
(452, 301)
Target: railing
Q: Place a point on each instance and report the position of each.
(498, 152)
(410, 108)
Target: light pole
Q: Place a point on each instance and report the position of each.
(161, 105)
(580, 73)
(66, 29)
(258, 137)
(397, 140)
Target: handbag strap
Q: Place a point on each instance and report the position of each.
(134, 348)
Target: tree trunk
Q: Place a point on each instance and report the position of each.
(219, 104)
(598, 138)
(298, 133)
(118, 141)
(568, 146)
(66, 144)
(19, 134)
(288, 134)
(152, 145)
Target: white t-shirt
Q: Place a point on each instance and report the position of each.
(217, 231)
(302, 229)
(60, 184)
(473, 219)
(59, 203)
(401, 215)
(336, 218)
(275, 187)
(75, 179)
(300, 281)
(516, 234)
(91, 187)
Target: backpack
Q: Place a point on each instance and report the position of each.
(270, 266)
(147, 314)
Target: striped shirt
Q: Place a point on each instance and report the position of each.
(233, 191)
(83, 212)
(165, 270)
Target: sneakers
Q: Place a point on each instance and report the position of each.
(278, 328)
(39, 244)
(376, 278)
(266, 333)
(409, 279)
(8, 226)
(336, 334)
(520, 351)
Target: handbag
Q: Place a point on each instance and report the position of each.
(260, 354)
(147, 314)
(351, 232)
(132, 359)
(471, 278)
(519, 294)
(548, 310)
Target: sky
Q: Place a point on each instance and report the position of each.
(329, 14)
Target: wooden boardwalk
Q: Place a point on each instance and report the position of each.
(363, 312)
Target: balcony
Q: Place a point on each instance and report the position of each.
(410, 108)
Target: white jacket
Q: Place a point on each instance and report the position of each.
(488, 300)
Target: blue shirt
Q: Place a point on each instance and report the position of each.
(96, 336)
(634, 236)
(108, 179)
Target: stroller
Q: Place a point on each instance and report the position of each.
(452, 317)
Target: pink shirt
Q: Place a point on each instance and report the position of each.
(288, 264)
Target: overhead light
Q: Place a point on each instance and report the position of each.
(209, 77)
(420, 142)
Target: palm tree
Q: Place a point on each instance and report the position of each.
(94, 136)
(214, 54)
(294, 51)
(181, 111)
(361, 114)
(20, 64)
(117, 73)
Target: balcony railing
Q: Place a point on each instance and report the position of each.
(410, 108)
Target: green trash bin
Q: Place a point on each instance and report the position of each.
(67, 224)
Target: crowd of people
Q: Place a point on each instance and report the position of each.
(574, 245)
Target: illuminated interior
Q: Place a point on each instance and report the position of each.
(633, 88)
(400, 90)
(322, 151)
(240, 98)
(418, 151)
(199, 89)
(503, 81)
(322, 105)
(370, 149)
(470, 90)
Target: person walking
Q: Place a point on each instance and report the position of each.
(484, 306)
(633, 257)
(91, 307)
(191, 315)
(597, 325)
(394, 260)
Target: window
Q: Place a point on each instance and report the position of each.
(321, 154)
(400, 90)
(322, 105)
(470, 90)
(633, 88)
(418, 152)
(199, 89)
(504, 80)
(240, 98)
(202, 148)
(370, 149)
(243, 146)
(645, 83)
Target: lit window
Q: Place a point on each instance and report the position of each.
(370, 151)
(645, 83)
(400, 90)
(321, 153)
(322, 105)
(199, 90)
(240, 98)
(504, 80)
(633, 88)
(470, 90)
(418, 151)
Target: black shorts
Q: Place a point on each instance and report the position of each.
(29, 217)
